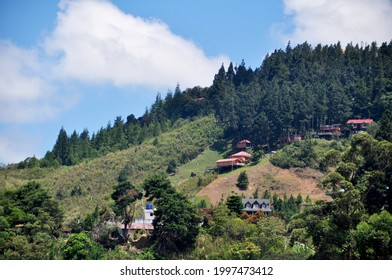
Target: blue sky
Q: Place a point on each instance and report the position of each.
(79, 64)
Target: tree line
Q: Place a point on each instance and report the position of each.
(293, 91)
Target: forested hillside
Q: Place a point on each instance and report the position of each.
(86, 184)
(81, 188)
(293, 91)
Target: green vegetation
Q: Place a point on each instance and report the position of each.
(234, 204)
(30, 222)
(80, 188)
(243, 181)
(198, 165)
(80, 247)
(176, 221)
(189, 185)
(316, 154)
(360, 187)
(228, 236)
(124, 195)
(299, 154)
(90, 181)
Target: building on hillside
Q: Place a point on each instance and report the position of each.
(251, 206)
(244, 144)
(290, 138)
(297, 138)
(229, 162)
(356, 126)
(144, 224)
(244, 156)
(329, 131)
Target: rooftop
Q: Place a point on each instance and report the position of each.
(242, 154)
(359, 121)
(142, 226)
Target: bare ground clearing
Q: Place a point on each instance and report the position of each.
(268, 177)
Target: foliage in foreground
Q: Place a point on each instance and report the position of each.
(357, 223)
(30, 223)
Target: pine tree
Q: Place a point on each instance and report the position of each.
(61, 149)
(234, 204)
(243, 181)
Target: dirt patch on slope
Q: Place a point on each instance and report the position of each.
(266, 176)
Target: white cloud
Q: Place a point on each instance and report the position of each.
(94, 42)
(330, 21)
(97, 43)
(26, 94)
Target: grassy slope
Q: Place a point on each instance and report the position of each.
(198, 165)
(188, 185)
(96, 178)
(265, 176)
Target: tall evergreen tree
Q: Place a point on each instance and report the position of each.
(61, 148)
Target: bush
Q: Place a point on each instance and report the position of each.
(243, 181)
(300, 154)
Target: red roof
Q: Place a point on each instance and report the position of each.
(359, 121)
(242, 155)
(228, 160)
(142, 226)
(244, 141)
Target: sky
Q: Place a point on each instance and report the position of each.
(80, 64)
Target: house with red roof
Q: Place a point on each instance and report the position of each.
(358, 125)
(229, 162)
(244, 156)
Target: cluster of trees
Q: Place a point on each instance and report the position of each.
(297, 90)
(176, 223)
(73, 149)
(357, 224)
(231, 234)
(31, 227)
(299, 154)
(293, 91)
(30, 223)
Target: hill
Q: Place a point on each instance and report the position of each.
(266, 176)
(81, 187)
(293, 93)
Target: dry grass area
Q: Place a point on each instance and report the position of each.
(268, 177)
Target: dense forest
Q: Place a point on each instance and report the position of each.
(293, 92)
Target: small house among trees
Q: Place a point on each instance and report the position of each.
(244, 144)
(143, 225)
(236, 160)
(329, 131)
(244, 156)
(358, 125)
(229, 162)
(251, 206)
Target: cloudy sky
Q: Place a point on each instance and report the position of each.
(79, 64)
